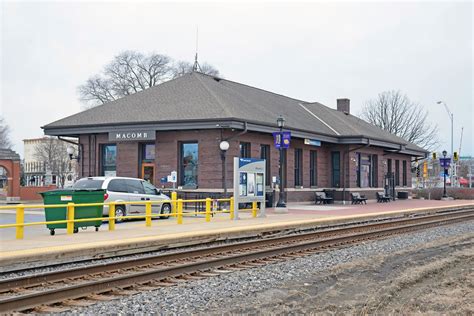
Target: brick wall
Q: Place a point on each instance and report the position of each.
(210, 165)
(32, 193)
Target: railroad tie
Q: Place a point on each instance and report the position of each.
(80, 303)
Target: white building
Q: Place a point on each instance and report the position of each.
(39, 170)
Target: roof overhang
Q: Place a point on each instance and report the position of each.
(230, 123)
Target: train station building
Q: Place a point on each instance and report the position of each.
(179, 126)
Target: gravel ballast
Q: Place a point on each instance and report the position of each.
(238, 290)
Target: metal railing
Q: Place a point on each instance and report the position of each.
(177, 206)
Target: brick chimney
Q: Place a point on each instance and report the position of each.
(344, 105)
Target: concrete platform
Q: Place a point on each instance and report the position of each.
(133, 237)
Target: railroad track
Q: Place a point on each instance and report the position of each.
(59, 290)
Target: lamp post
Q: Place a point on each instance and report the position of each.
(451, 117)
(224, 146)
(281, 195)
(444, 175)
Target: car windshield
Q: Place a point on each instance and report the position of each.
(87, 183)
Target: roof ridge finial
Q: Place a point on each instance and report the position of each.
(196, 66)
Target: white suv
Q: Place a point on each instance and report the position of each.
(120, 189)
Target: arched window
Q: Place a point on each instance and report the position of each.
(3, 178)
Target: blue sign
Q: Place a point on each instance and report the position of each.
(164, 180)
(312, 142)
(282, 139)
(246, 161)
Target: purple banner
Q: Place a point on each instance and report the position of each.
(445, 162)
(282, 140)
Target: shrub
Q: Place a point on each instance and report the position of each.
(437, 193)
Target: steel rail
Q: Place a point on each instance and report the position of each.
(37, 279)
(30, 300)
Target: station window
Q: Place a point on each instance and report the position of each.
(397, 172)
(244, 150)
(404, 174)
(188, 164)
(109, 160)
(298, 167)
(313, 168)
(366, 166)
(148, 152)
(336, 169)
(265, 154)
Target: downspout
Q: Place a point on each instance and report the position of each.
(237, 135)
(344, 155)
(80, 148)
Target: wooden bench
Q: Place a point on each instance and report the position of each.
(358, 199)
(382, 198)
(321, 198)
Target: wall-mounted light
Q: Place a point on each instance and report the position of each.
(224, 145)
(71, 151)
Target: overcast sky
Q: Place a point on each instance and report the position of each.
(310, 51)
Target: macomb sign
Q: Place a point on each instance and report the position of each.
(132, 135)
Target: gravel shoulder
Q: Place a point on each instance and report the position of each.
(429, 272)
(430, 279)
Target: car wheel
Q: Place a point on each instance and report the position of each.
(119, 211)
(165, 210)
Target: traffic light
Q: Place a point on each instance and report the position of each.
(434, 156)
(417, 171)
(455, 156)
(425, 169)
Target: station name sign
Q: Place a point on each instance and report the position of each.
(132, 135)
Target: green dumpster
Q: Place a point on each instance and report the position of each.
(77, 197)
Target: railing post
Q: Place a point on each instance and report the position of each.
(231, 208)
(70, 218)
(254, 209)
(20, 220)
(208, 209)
(174, 198)
(112, 216)
(148, 214)
(180, 211)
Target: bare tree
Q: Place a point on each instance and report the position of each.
(130, 72)
(183, 67)
(397, 114)
(5, 141)
(53, 152)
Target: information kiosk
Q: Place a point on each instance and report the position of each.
(249, 183)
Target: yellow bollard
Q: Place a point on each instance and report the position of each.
(70, 218)
(254, 209)
(231, 208)
(174, 198)
(20, 220)
(148, 214)
(208, 210)
(112, 216)
(180, 211)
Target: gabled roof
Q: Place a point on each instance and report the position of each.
(199, 97)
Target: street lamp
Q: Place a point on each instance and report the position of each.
(71, 151)
(444, 174)
(224, 146)
(451, 116)
(281, 196)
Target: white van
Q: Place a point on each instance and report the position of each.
(121, 189)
